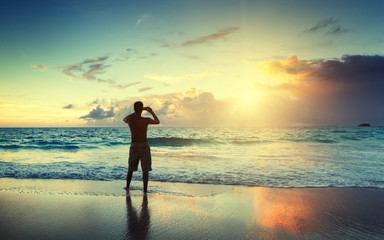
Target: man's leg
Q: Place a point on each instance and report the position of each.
(129, 178)
(145, 181)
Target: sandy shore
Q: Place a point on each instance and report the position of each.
(76, 209)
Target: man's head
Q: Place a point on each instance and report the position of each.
(138, 107)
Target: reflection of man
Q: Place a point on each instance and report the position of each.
(139, 145)
(137, 226)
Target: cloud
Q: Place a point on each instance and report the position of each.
(350, 68)
(336, 30)
(40, 67)
(69, 106)
(100, 59)
(332, 24)
(68, 70)
(164, 43)
(358, 68)
(142, 18)
(189, 108)
(320, 92)
(323, 24)
(222, 34)
(343, 91)
(291, 69)
(175, 78)
(125, 85)
(98, 113)
(145, 89)
(192, 108)
(131, 50)
(133, 54)
(87, 70)
(92, 69)
(193, 57)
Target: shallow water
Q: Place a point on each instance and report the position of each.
(271, 157)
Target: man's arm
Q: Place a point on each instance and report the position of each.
(155, 120)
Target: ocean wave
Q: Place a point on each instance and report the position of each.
(325, 141)
(62, 170)
(102, 172)
(245, 142)
(353, 138)
(292, 157)
(174, 141)
(37, 147)
(163, 141)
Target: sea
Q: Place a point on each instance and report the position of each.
(267, 157)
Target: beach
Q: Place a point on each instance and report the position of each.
(78, 209)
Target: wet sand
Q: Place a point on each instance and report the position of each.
(77, 209)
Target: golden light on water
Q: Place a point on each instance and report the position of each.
(292, 214)
(296, 211)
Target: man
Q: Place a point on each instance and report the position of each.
(139, 145)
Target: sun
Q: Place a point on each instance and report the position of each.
(248, 100)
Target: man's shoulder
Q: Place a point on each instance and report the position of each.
(140, 119)
(128, 118)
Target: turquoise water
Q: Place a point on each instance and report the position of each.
(271, 157)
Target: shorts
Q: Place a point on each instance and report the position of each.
(140, 151)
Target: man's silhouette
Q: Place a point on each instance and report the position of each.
(139, 145)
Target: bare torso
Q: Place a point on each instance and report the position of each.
(138, 126)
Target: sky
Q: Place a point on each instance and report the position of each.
(210, 63)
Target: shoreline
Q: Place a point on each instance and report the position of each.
(79, 209)
(138, 183)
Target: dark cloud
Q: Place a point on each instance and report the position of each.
(323, 24)
(337, 30)
(93, 70)
(96, 101)
(353, 68)
(88, 69)
(357, 86)
(332, 24)
(100, 59)
(145, 89)
(69, 106)
(98, 113)
(131, 50)
(222, 34)
(344, 91)
(68, 70)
